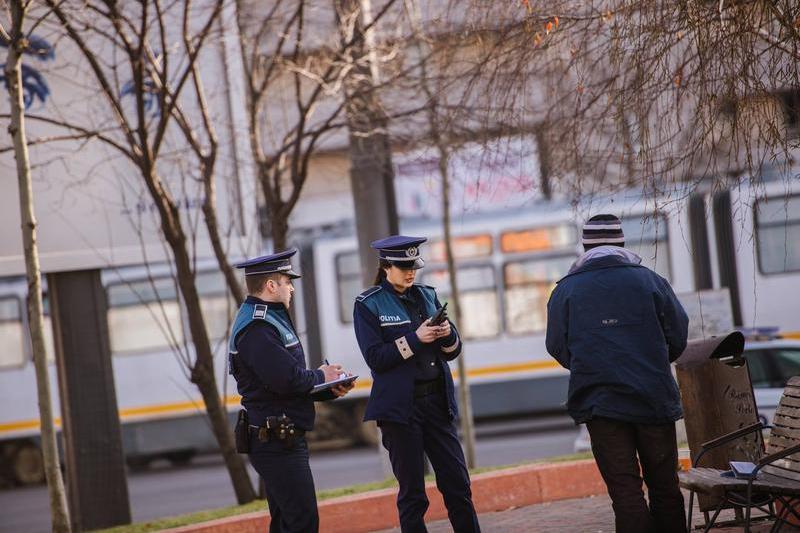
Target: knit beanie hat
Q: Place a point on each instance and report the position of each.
(601, 230)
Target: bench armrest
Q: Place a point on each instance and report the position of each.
(771, 458)
(725, 439)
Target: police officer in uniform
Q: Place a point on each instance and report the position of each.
(412, 398)
(269, 365)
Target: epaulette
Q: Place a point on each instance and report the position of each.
(367, 293)
(259, 311)
(426, 286)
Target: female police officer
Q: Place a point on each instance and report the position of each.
(412, 396)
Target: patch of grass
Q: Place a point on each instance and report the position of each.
(261, 505)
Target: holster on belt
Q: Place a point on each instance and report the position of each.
(242, 433)
(278, 427)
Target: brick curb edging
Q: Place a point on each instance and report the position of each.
(491, 491)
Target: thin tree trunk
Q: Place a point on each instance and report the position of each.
(55, 484)
(464, 396)
(212, 225)
(202, 372)
(440, 140)
(279, 227)
(203, 369)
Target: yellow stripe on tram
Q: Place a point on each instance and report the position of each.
(233, 400)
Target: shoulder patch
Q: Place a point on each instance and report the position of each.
(259, 311)
(367, 293)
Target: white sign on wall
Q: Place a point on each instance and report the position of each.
(492, 176)
(710, 312)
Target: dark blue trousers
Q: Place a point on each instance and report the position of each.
(289, 485)
(429, 432)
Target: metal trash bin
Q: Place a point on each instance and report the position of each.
(717, 398)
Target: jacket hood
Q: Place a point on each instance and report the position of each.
(603, 261)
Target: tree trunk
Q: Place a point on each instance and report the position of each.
(279, 229)
(212, 225)
(440, 140)
(203, 369)
(371, 172)
(55, 484)
(464, 396)
(543, 148)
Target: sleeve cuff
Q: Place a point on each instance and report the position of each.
(404, 348)
(320, 377)
(452, 347)
(414, 342)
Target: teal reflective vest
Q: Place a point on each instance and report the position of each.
(389, 309)
(250, 312)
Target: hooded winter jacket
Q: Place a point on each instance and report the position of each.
(617, 326)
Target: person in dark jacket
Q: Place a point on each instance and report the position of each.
(616, 326)
(412, 396)
(268, 363)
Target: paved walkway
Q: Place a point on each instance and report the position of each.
(592, 514)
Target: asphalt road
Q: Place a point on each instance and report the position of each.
(164, 490)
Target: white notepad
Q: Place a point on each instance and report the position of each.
(341, 381)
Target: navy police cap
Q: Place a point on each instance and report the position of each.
(269, 264)
(400, 250)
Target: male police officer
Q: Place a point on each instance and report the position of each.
(269, 365)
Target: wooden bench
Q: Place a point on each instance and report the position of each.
(777, 471)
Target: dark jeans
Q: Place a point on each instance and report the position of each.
(615, 445)
(289, 485)
(429, 432)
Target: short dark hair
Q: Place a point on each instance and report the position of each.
(255, 282)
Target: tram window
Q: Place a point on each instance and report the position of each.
(348, 281)
(216, 303)
(144, 316)
(464, 247)
(480, 318)
(538, 239)
(528, 286)
(778, 234)
(12, 348)
(647, 237)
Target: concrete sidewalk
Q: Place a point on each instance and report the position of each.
(592, 514)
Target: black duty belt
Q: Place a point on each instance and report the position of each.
(278, 428)
(275, 433)
(425, 388)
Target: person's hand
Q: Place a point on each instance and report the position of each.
(443, 329)
(341, 390)
(331, 372)
(427, 333)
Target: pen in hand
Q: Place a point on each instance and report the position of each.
(342, 375)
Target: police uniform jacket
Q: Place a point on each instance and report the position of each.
(386, 334)
(269, 365)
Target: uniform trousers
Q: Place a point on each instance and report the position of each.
(615, 445)
(429, 432)
(288, 483)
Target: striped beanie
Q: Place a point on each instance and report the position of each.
(602, 230)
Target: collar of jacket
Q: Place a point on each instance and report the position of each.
(387, 286)
(273, 306)
(608, 261)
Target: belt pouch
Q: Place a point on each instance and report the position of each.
(242, 433)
